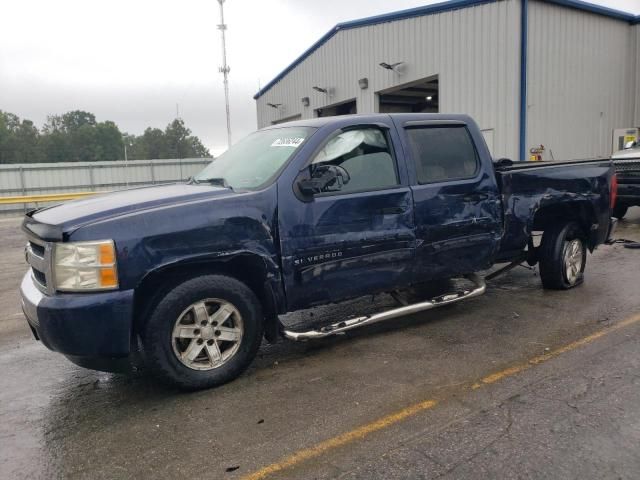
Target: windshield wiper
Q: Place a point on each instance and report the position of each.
(217, 181)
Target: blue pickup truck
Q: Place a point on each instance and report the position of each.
(297, 215)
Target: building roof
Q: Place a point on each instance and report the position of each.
(430, 10)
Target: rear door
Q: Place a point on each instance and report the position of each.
(358, 238)
(457, 205)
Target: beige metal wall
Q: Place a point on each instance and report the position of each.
(475, 52)
(581, 80)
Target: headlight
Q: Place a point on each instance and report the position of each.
(84, 266)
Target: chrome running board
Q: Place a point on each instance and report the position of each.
(357, 322)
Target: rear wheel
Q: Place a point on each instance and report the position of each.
(619, 211)
(204, 332)
(563, 256)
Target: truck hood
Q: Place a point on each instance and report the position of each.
(71, 215)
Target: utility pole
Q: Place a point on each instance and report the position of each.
(178, 143)
(126, 163)
(224, 69)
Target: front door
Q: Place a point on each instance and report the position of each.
(457, 203)
(356, 236)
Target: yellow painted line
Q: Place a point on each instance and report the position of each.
(340, 440)
(384, 422)
(508, 372)
(52, 197)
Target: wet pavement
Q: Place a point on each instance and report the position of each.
(576, 415)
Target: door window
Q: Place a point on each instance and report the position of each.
(442, 153)
(362, 159)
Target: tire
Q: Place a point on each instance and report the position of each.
(203, 332)
(619, 211)
(562, 256)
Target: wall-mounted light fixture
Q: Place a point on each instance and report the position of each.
(363, 83)
(428, 98)
(320, 89)
(274, 105)
(305, 101)
(396, 67)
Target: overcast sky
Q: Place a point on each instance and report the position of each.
(132, 61)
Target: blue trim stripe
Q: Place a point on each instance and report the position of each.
(597, 9)
(524, 28)
(430, 10)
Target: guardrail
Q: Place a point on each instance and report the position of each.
(25, 186)
(53, 197)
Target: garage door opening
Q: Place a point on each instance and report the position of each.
(342, 108)
(415, 97)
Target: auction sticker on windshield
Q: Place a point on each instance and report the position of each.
(287, 142)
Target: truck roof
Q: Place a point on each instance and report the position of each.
(371, 117)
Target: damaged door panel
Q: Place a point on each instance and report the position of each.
(351, 238)
(456, 199)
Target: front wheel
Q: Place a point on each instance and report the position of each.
(563, 256)
(203, 333)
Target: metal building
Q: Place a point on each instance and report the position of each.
(559, 73)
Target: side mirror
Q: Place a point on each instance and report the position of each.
(324, 178)
(503, 163)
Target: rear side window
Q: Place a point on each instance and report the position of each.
(442, 153)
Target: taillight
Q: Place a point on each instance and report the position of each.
(614, 190)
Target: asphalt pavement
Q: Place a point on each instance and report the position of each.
(518, 383)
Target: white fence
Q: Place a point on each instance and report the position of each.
(67, 177)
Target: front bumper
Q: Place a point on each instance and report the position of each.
(628, 193)
(80, 325)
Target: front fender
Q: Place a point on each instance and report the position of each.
(259, 272)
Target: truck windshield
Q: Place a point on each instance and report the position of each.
(255, 160)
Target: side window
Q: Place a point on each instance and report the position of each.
(361, 158)
(442, 153)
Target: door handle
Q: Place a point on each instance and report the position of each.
(475, 197)
(392, 210)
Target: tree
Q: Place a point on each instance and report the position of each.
(53, 124)
(108, 141)
(76, 136)
(19, 140)
(85, 139)
(4, 136)
(152, 144)
(55, 141)
(77, 119)
(175, 141)
(27, 143)
(180, 143)
(7, 147)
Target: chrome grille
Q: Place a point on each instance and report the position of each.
(40, 277)
(38, 256)
(628, 167)
(37, 249)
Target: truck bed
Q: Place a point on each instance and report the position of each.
(529, 189)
